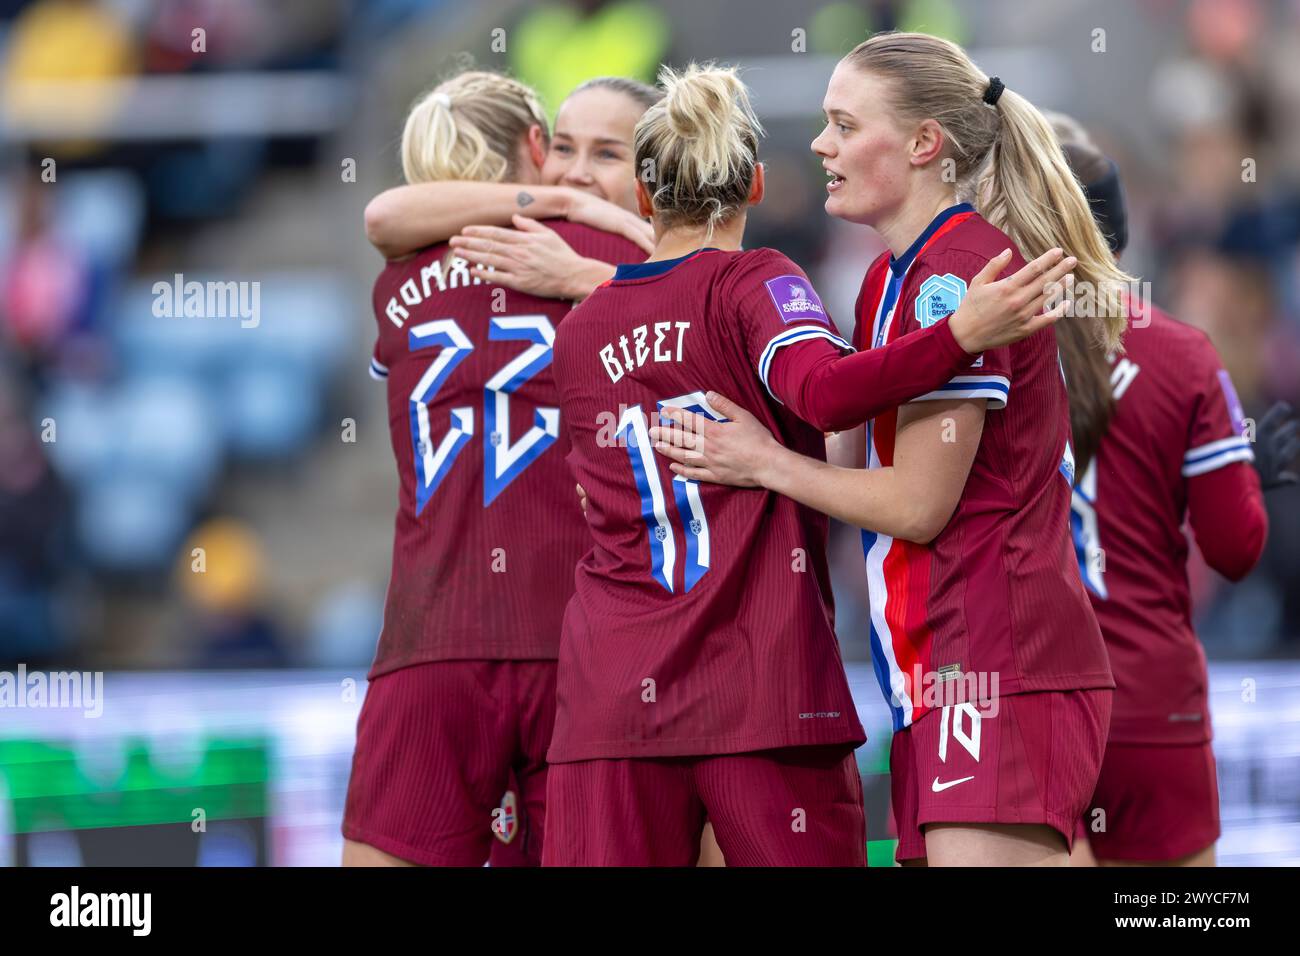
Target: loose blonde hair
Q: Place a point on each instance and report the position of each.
(698, 146)
(1087, 370)
(1007, 161)
(469, 127)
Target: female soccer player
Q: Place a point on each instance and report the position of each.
(699, 673)
(593, 152)
(983, 639)
(462, 689)
(1174, 449)
(587, 177)
(588, 167)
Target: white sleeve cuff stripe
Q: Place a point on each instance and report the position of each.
(1000, 380)
(378, 372)
(997, 399)
(789, 337)
(1214, 447)
(995, 388)
(1215, 462)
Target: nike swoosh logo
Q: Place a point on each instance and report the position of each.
(938, 787)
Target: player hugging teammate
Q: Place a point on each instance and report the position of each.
(965, 499)
(698, 674)
(462, 689)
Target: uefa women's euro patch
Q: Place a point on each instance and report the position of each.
(795, 299)
(938, 298)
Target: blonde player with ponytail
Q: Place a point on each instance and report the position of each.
(699, 673)
(983, 639)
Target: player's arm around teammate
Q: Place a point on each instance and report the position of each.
(586, 178)
(461, 695)
(966, 496)
(911, 500)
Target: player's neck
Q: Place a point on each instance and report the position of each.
(683, 240)
(901, 230)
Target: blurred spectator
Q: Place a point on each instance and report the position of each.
(44, 284)
(33, 541)
(221, 575)
(67, 40)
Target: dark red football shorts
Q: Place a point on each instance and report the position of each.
(436, 745)
(797, 806)
(1154, 803)
(1023, 758)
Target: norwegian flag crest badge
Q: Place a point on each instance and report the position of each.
(505, 822)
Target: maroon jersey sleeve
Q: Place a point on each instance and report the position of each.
(834, 391)
(383, 292)
(378, 370)
(932, 293)
(1225, 506)
(1216, 432)
(774, 306)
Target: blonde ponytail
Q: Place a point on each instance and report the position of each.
(1029, 192)
(469, 127)
(1007, 161)
(699, 146)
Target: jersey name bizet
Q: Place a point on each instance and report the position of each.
(634, 353)
(686, 585)
(413, 292)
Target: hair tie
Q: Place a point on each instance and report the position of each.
(996, 86)
(442, 99)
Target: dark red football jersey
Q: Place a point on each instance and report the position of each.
(701, 621)
(488, 525)
(1177, 416)
(993, 605)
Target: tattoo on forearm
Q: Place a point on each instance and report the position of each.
(523, 198)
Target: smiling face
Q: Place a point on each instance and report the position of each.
(863, 149)
(592, 146)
